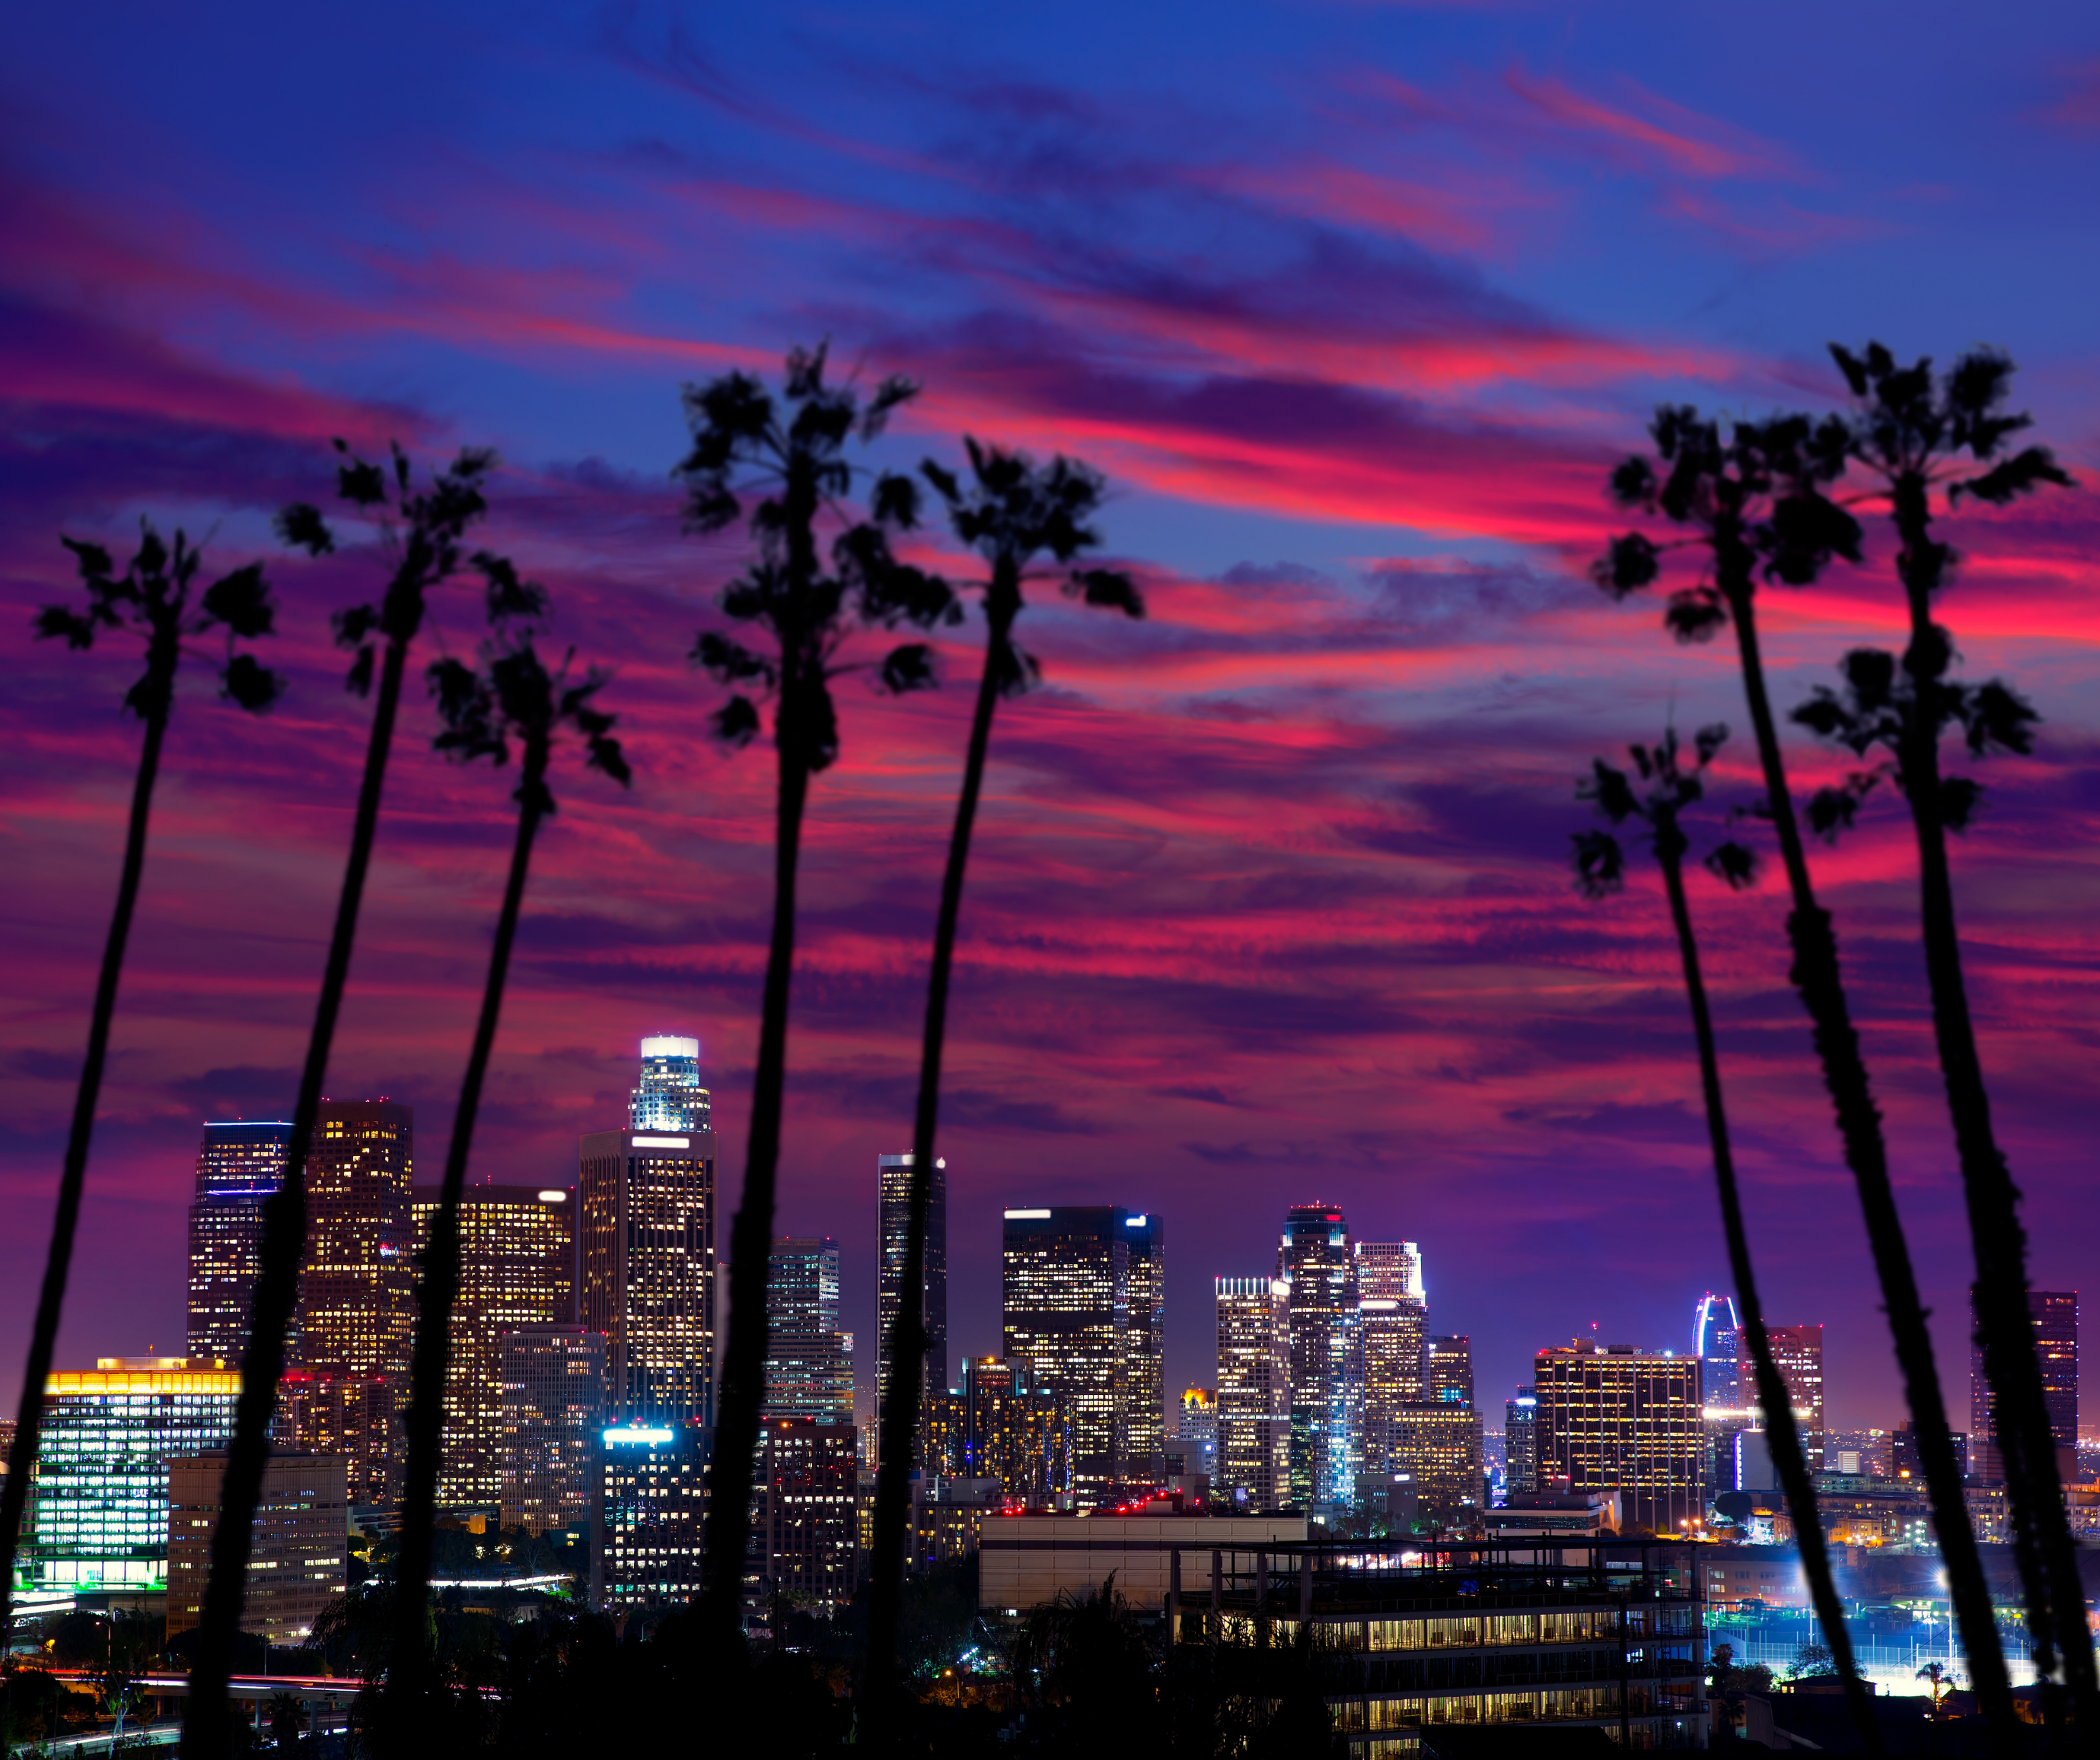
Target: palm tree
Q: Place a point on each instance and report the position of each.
(1671, 788)
(513, 699)
(151, 599)
(1934, 1675)
(793, 452)
(1754, 503)
(1011, 511)
(422, 533)
(1910, 434)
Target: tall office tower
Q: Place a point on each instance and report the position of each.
(554, 1408)
(1316, 1261)
(1067, 1278)
(357, 1292)
(1628, 1422)
(1141, 1449)
(101, 1518)
(1797, 1355)
(517, 1255)
(1433, 1450)
(1718, 1343)
(1447, 1370)
(1393, 1313)
(893, 1177)
(1520, 1441)
(645, 1269)
(2055, 1315)
(649, 1515)
(999, 1424)
(1197, 1429)
(808, 1361)
(669, 1098)
(239, 1164)
(807, 1475)
(300, 1559)
(1254, 1391)
(360, 1417)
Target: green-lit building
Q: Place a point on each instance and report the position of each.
(102, 1464)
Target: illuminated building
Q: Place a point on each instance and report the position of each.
(2055, 1315)
(518, 1250)
(669, 1098)
(357, 1292)
(357, 1416)
(1797, 1355)
(1316, 1263)
(807, 1471)
(1625, 1421)
(1447, 1370)
(893, 1174)
(1000, 1425)
(1717, 1341)
(553, 1410)
(1432, 1450)
(1141, 1448)
(1254, 1391)
(1197, 1429)
(645, 1269)
(808, 1361)
(239, 1164)
(1520, 1442)
(103, 1453)
(1393, 1312)
(299, 1560)
(650, 1514)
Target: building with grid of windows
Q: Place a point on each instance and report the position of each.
(554, 1408)
(1447, 1369)
(808, 1361)
(1141, 1448)
(240, 1163)
(1431, 1461)
(1254, 1391)
(357, 1416)
(649, 1515)
(893, 1180)
(1000, 1425)
(668, 1097)
(1520, 1441)
(299, 1559)
(1797, 1355)
(518, 1250)
(2055, 1315)
(1392, 1314)
(808, 1473)
(1624, 1421)
(107, 1437)
(1316, 1261)
(645, 1269)
(357, 1291)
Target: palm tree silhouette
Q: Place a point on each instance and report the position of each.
(1754, 502)
(512, 698)
(151, 599)
(1668, 788)
(1910, 433)
(792, 453)
(1011, 511)
(1934, 1674)
(422, 533)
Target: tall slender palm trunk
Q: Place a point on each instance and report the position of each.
(907, 1349)
(58, 1264)
(208, 1726)
(440, 1291)
(1773, 1396)
(1817, 977)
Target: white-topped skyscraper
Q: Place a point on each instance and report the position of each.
(670, 1097)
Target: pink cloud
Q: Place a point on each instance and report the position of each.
(1668, 135)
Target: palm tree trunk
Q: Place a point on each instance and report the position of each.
(51, 1303)
(1784, 1433)
(441, 1274)
(2047, 1553)
(1817, 977)
(751, 1239)
(907, 1350)
(207, 1726)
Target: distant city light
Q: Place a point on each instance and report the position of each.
(1028, 1216)
(553, 1196)
(661, 1142)
(1136, 1221)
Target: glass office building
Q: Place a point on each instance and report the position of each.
(240, 1163)
(670, 1097)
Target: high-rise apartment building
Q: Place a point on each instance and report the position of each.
(669, 1098)
(1066, 1300)
(645, 1269)
(892, 1176)
(651, 1510)
(1254, 1391)
(1141, 1449)
(1447, 1370)
(103, 1453)
(808, 1361)
(1625, 1421)
(240, 1163)
(1520, 1442)
(1797, 1355)
(357, 1291)
(1316, 1261)
(552, 1411)
(808, 1473)
(517, 1253)
(2055, 1315)
(1001, 1424)
(299, 1558)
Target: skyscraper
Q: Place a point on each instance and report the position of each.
(999, 1424)
(650, 1514)
(1393, 1313)
(239, 1164)
(1433, 1449)
(1718, 1342)
(669, 1098)
(1141, 1451)
(2055, 1315)
(807, 1474)
(1254, 1391)
(1066, 1302)
(1520, 1441)
(808, 1361)
(893, 1174)
(518, 1249)
(1447, 1370)
(1625, 1421)
(357, 1292)
(554, 1408)
(1316, 1262)
(1797, 1355)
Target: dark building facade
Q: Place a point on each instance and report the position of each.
(808, 1361)
(892, 1214)
(1520, 1441)
(651, 1510)
(808, 1472)
(2055, 1315)
(1001, 1424)
(553, 1410)
(240, 1163)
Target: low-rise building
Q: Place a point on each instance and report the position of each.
(1752, 1577)
(298, 1560)
(1026, 1559)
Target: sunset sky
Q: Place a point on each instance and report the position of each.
(1354, 305)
